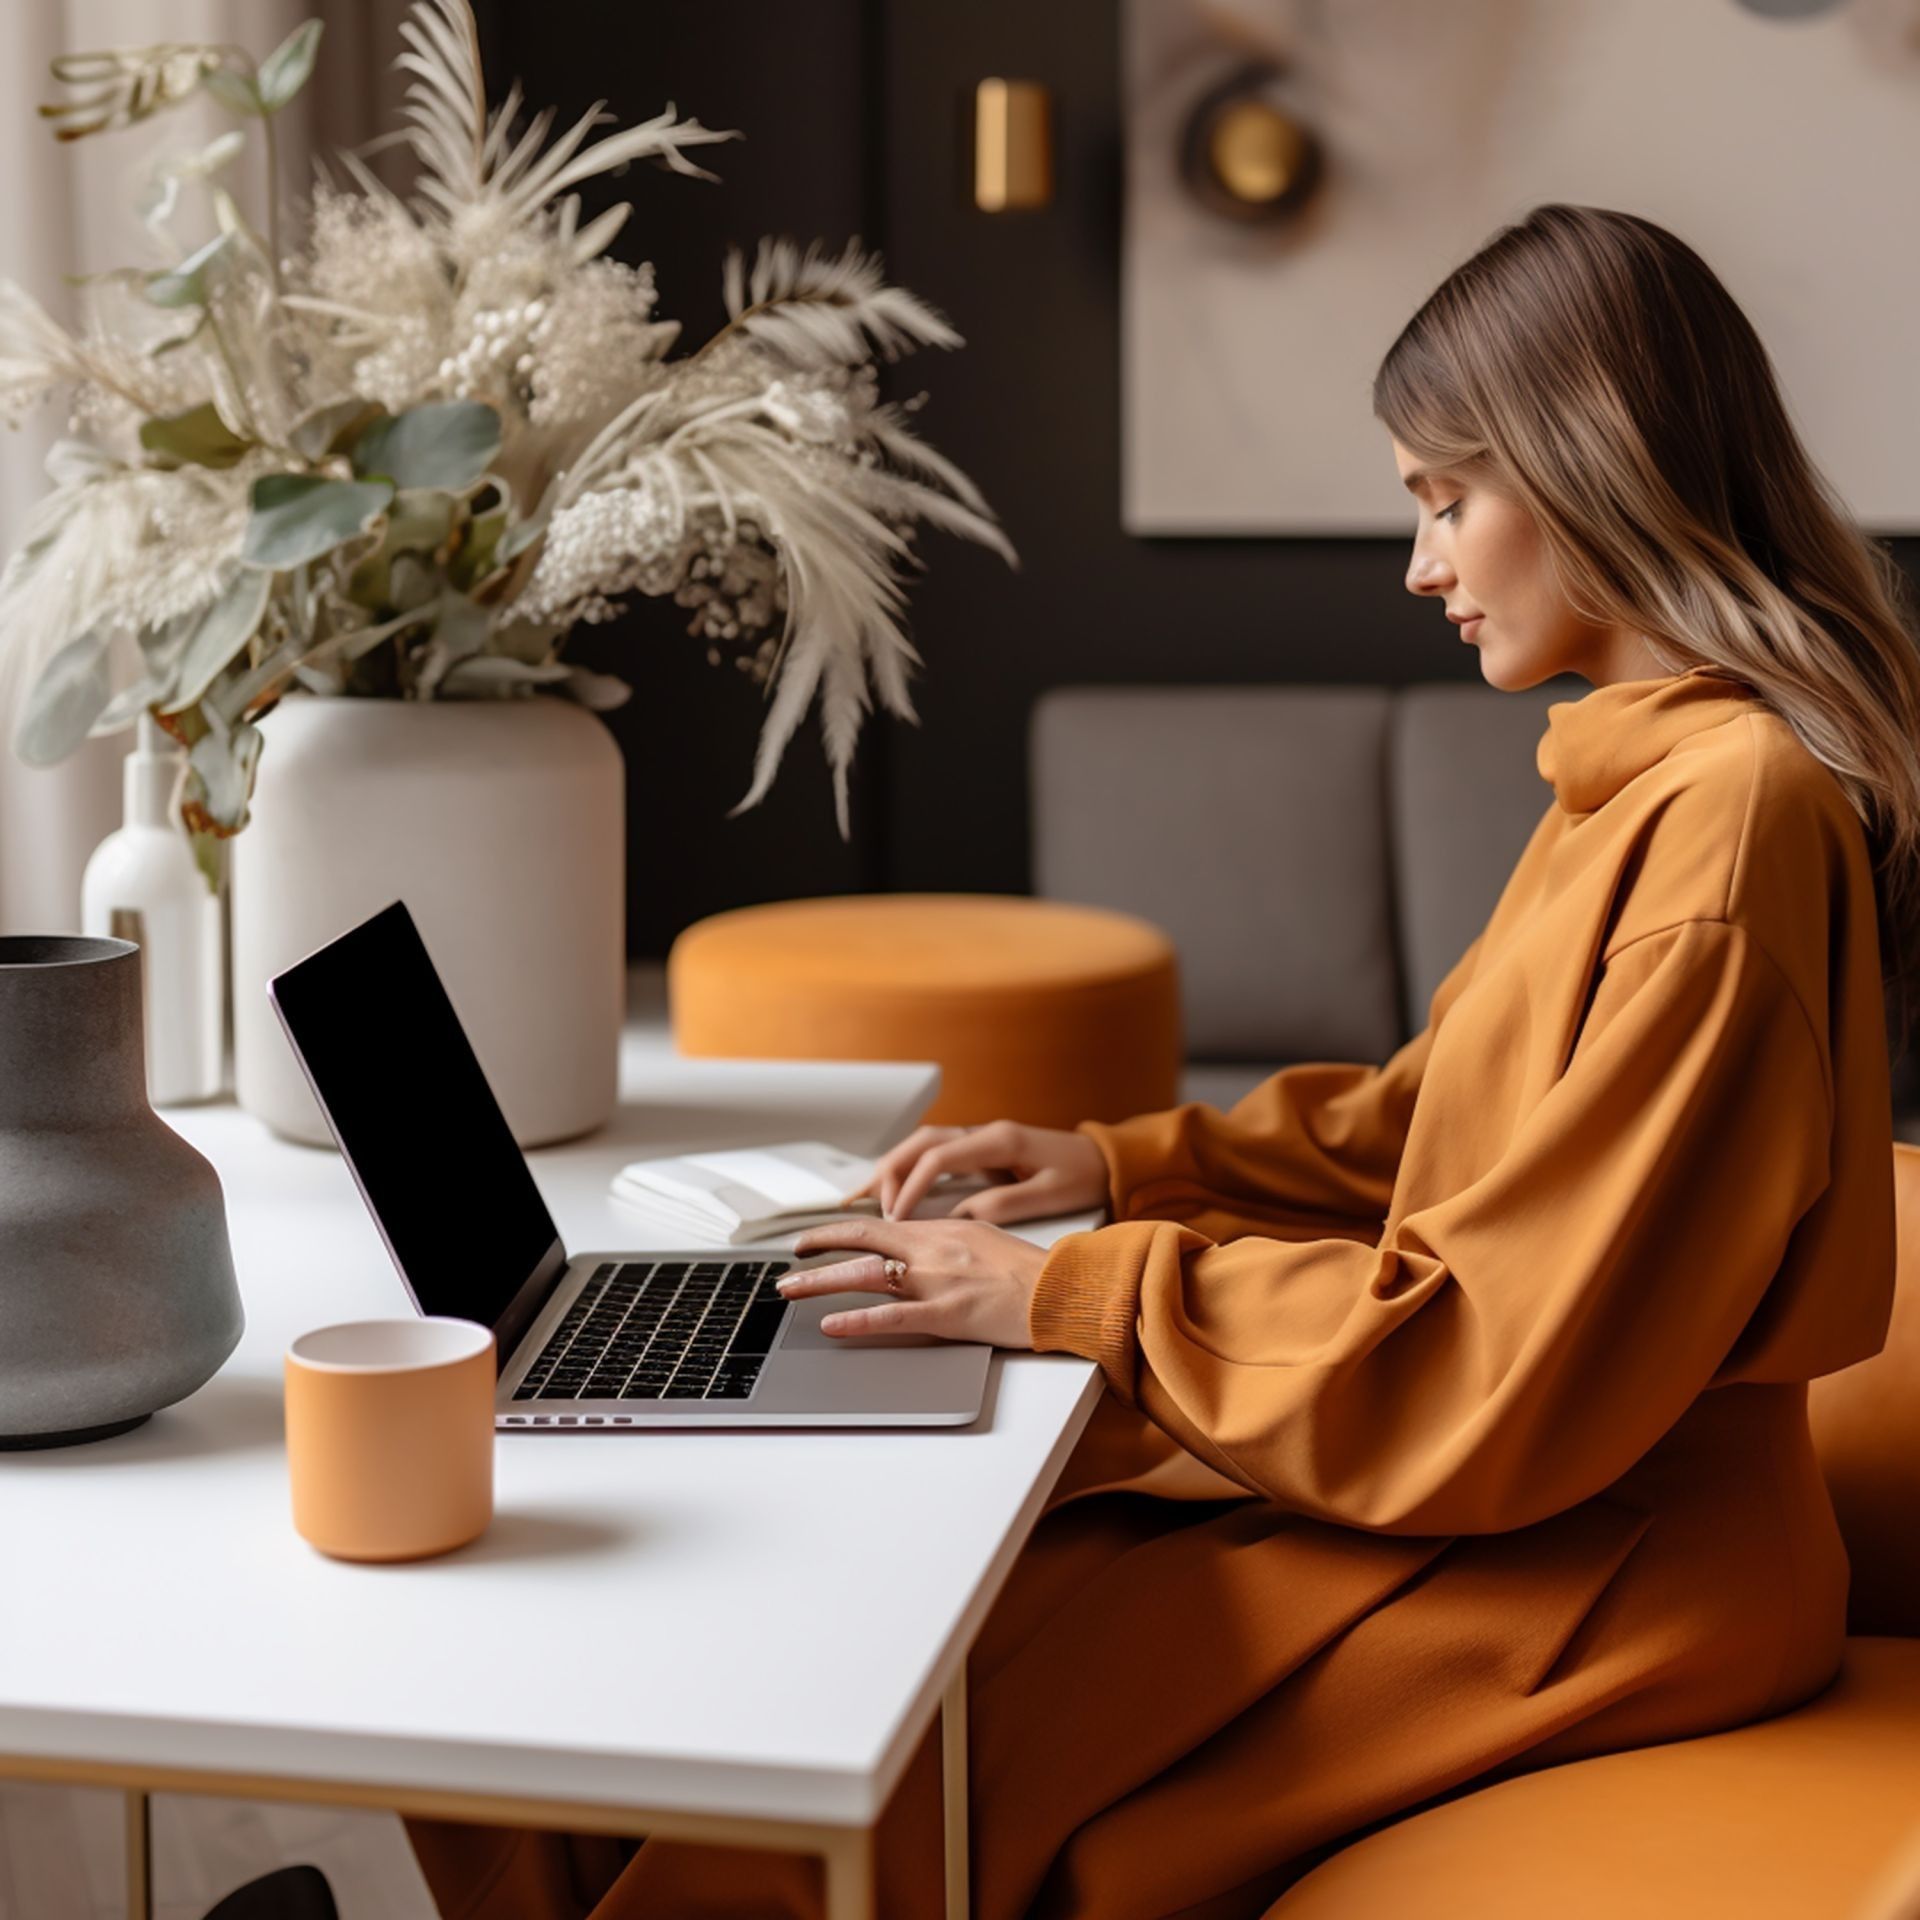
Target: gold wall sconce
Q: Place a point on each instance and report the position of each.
(1244, 154)
(1012, 145)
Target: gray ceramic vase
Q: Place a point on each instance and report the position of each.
(117, 1294)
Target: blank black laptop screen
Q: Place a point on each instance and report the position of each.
(415, 1118)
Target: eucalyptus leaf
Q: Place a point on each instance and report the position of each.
(413, 583)
(526, 640)
(208, 857)
(496, 675)
(162, 646)
(189, 284)
(284, 71)
(325, 678)
(300, 516)
(475, 559)
(225, 760)
(356, 645)
(325, 429)
(459, 633)
(446, 443)
(127, 706)
(520, 536)
(600, 691)
(235, 692)
(198, 437)
(66, 700)
(235, 91)
(220, 633)
(419, 521)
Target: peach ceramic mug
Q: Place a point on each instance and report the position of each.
(390, 1436)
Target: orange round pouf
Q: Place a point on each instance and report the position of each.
(1036, 1011)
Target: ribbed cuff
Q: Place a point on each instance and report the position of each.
(1087, 1301)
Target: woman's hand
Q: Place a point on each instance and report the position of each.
(1046, 1171)
(964, 1281)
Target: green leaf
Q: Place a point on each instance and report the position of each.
(127, 706)
(496, 674)
(235, 91)
(600, 691)
(299, 516)
(208, 857)
(66, 700)
(162, 646)
(446, 443)
(520, 536)
(419, 521)
(284, 71)
(198, 437)
(225, 761)
(475, 559)
(330, 428)
(459, 633)
(226, 626)
(188, 284)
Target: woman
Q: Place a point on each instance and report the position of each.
(1457, 1420)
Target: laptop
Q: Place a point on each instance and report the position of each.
(585, 1340)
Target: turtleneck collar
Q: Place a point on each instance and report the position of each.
(1593, 746)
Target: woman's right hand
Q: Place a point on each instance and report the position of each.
(1042, 1171)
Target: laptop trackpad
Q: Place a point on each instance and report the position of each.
(801, 1331)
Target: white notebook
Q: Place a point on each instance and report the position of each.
(741, 1194)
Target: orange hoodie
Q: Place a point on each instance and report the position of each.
(1642, 1149)
(1511, 1333)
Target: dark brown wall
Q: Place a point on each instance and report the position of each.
(796, 78)
(854, 110)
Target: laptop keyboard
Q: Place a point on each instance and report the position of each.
(662, 1330)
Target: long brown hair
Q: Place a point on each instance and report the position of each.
(1589, 364)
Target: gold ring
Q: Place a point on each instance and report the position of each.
(896, 1271)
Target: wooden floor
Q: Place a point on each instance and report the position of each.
(60, 1855)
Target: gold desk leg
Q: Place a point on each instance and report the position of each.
(849, 1857)
(953, 1779)
(139, 1855)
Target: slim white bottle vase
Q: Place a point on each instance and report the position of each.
(142, 885)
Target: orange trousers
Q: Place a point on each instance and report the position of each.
(1185, 1696)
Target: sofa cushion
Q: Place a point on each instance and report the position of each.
(1250, 823)
(1796, 1818)
(1222, 1083)
(1466, 793)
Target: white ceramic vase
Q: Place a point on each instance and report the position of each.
(501, 824)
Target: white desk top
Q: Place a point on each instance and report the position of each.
(746, 1623)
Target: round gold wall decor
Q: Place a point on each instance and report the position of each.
(1257, 152)
(1244, 154)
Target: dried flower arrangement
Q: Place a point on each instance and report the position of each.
(406, 456)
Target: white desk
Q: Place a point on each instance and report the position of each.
(739, 1636)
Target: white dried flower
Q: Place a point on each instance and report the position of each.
(604, 544)
(594, 343)
(392, 292)
(809, 412)
(759, 481)
(120, 548)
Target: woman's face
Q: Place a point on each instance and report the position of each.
(1481, 554)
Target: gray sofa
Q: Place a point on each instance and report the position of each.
(1321, 855)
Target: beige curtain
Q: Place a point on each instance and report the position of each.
(69, 210)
